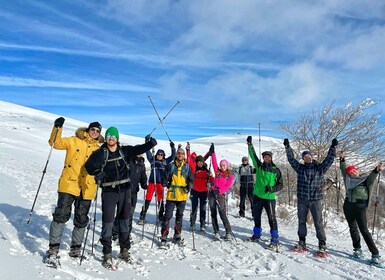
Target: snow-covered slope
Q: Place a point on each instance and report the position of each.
(24, 150)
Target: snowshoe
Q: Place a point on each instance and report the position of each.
(75, 252)
(203, 230)
(322, 252)
(217, 236)
(253, 239)
(300, 247)
(273, 247)
(107, 262)
(377, 262)
(163, 244)
(228, 237)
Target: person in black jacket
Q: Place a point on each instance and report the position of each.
(246, 188)
(110, 167)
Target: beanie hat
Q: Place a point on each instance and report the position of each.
(245, 158)
(95, 124)
(350, 168)
(267, 153)
(180, 150)
(305, 153)
(160, 151)
(113, 131)
(199, 158)
(224, 162)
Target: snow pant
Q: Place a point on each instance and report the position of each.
(355, 214)
(245, 190)
(201, 199)
(63, 213)
(170, 206)
(269, 205)
(219, 202)
(315, 208)
(115, 229)
(111, 200)
(149, 194)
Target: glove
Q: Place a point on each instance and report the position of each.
(153, 141)
(249, 140)
(99, 177)
(145, 187)
(188, 146)
(59, 122)
(334, 142)
(172, 145)
(286, 143)
(211, 151)
(269, 189)
(147, 138)
(187, 188)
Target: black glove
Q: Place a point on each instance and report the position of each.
(286, 143)
(211, 151)
(153, 141)
(99, 177)
(269, 189)
(249, 140)
(147, 138)
(59, 122)
(172, 145)
(334, 142)
(144, 187)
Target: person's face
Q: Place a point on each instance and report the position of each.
(267, 159)
(354, 173)
(180, 156)
(111, 140)
(245, 161)
(307, 158)
(159, 156)
(223, 167)
(200, 164)
(94, 132)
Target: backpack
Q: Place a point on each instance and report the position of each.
(106, 154)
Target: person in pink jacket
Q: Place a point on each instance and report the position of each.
(217, 195)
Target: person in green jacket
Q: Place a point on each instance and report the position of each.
(268, 181)
(358, 189)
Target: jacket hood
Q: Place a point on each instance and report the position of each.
(80, 134)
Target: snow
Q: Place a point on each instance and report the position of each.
(24, 150)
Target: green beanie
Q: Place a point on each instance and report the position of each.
(113, 131)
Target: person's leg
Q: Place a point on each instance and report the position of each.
(81, 219)
(109, 202)
(180, 206)
(170, 205)
(363, 226)
(194, 196)
(302, 212)
(316, 212)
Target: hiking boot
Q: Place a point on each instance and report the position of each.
(177, 237)
(301, 246)
(203, 229)
(357, 253)
(75, 251)
(125, 255)
(241, 214)
(253, 239)
(322, 246)
(272, 246)
(51, 257)
(217, 236)
(376, 260)
(107, 261)
(228, 236)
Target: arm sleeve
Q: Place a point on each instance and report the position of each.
(171, 158)
(60, 143)
(328, 161)
(291, 159)
(94, 163)
(279, 182)
(143, 178)
(215, 163)
(254, 158)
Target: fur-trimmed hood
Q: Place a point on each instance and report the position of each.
(82, 134)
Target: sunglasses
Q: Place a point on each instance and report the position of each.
(111, 136)
(95, 129)
(160, 155)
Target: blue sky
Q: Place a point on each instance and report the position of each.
(231, 64)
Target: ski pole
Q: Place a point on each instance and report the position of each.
(89, 225)
(93, 229)
(160, 120)
(144, 201)
(376, 203)
(208, 192)
(42, 177)
(192, 231)
(164, 117)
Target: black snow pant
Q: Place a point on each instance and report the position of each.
(355, 214)
(170, 206)
(269, 206)
(315, 208)
(201, 199)
(245, 191)
(111, 200)
(219, 203)
(115, 229)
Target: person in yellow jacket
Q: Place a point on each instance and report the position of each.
(75, 186)
(179, 184)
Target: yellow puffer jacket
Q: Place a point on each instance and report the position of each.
(74, 176)
(180, 183)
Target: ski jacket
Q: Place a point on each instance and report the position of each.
(201, 177)
(358, 188)
(138, 174)
(74, 178)
(117, 175)
(267, 174)
(222, 181)
(246, 172)
(310, 176)
(180, 181)
(159, 167)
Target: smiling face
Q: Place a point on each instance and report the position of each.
(308, 158)
(180, 156)
(94, 132)
(354, 173)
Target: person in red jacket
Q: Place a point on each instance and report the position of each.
(198, 195)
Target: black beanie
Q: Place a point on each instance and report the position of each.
(95, 124)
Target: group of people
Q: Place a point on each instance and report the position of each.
(119, 170)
